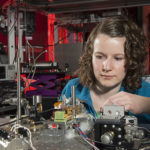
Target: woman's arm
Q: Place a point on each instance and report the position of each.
(132, 102)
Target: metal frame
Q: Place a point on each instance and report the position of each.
(68, 6)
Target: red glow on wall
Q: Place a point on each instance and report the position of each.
(50, 56)
(65, 36)
(60, 35)
(70, 36)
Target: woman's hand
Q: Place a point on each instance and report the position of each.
(134, 103)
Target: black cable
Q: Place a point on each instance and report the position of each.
(47, 110)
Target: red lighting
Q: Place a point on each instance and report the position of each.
(50, 56)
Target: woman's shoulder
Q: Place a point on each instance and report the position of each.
(145, 83)
(80, 90)
(145, 88)
(73, 82)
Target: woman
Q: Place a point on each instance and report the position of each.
(111, 69)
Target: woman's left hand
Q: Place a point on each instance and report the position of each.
(134, 103)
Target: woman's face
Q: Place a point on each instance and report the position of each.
(108, 60)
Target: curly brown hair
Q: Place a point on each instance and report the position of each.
(135, 51)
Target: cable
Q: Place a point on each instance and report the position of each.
(30, 46)
(145, 148)
(88, 139)
(34, 64)
(143, 128)
(84, 137)
(47, 110)
(80, 131)
(17, 126)
(139, 127)
(95, 148)
(33, 70)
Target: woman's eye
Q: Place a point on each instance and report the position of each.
(119, 58)
(99, 56)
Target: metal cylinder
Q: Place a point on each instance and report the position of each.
(73, 101)
(36, 99)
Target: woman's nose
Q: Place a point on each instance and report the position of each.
(107, 65)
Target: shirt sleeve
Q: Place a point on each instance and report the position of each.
(67, 89)
(144, 91)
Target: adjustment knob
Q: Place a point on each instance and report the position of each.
(107, 138)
